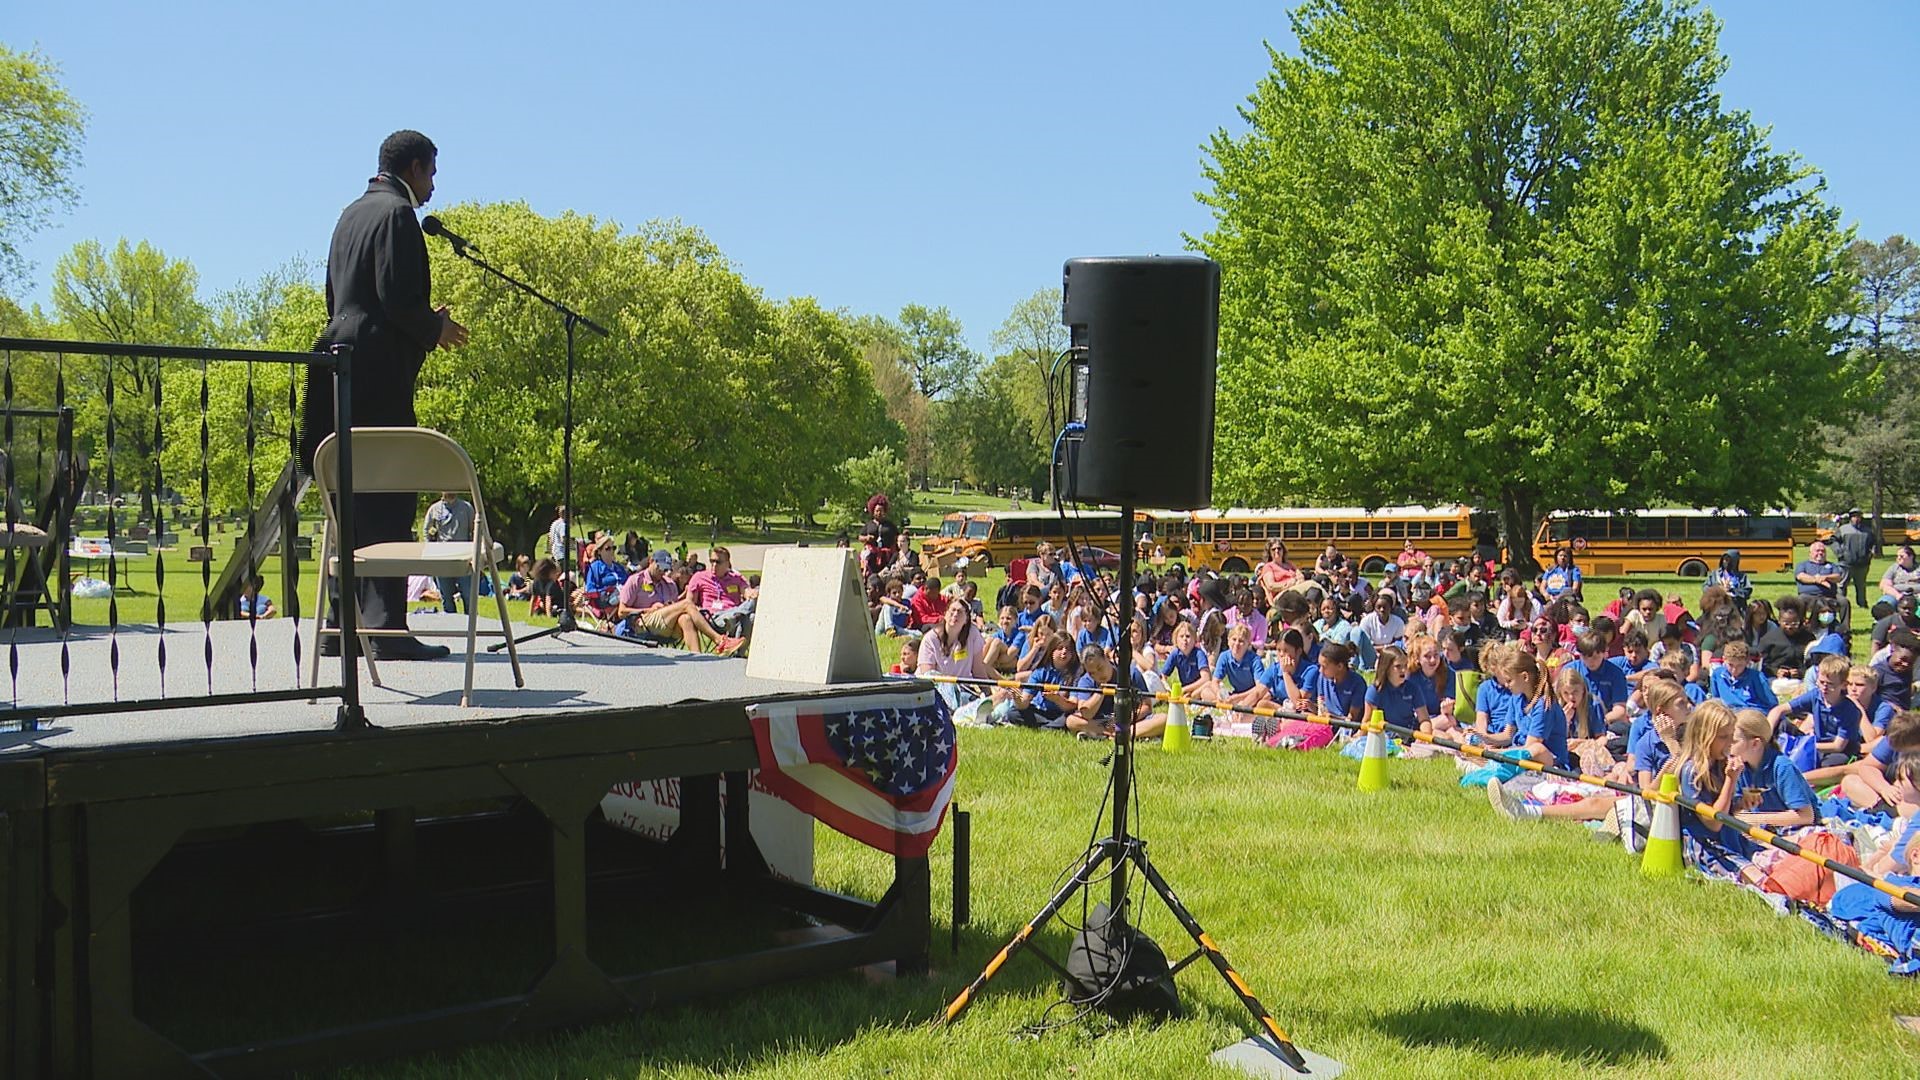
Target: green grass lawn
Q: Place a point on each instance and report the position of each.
(1409, 934)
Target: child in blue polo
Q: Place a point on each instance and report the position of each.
(1237, 672)
(1825, 713)
(1730, 762)
(1739, 682)
(1493, 702)
(1189, 661)
(1398, 699)
(1336, 690)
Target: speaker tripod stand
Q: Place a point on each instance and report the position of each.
(1123, 850)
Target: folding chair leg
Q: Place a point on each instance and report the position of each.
(473, 623)
(506, 627)
(320, 603)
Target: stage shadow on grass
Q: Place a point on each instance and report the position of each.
(1524, 1031)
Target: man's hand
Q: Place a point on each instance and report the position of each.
(452, 334)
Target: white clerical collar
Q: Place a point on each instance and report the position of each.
(408, 188)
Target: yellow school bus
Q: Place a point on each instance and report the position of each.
(1235, 541)
(952, 527)
(993, 537)
(1684, 542)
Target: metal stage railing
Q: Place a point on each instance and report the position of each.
(154, 450)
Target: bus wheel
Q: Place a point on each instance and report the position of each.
(1693, 568)
(985, 560)
(1235, 565)
(1373, 564)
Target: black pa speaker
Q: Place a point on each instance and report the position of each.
(1144, 331)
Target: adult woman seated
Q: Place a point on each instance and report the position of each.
(1901, 579)
(954, 646)
(1562, 579)
(1276, 575)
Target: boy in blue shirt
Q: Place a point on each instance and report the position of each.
(1825, 713)
(1739, 683)
(1606, 681)
(1633, 660)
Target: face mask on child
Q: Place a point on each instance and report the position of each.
(1826, 618)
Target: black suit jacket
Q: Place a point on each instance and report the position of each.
(377, 289)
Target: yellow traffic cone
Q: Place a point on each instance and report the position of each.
(1178, 736)
(1663, 857)
(1373, 763)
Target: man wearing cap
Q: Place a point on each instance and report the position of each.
(648, 589)
(1855, 542)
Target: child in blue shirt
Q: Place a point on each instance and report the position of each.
(1825, 713)
(1190, 662)
(1237, 671)
(1094, 715)
(1738, 682)
(1653, 747)
(1398, 699)
(1493, 703)
(1436, 683)
(1038, 706)
(1008, 642)
(1540, 727)
(1336, 690)
(1731, 762)
(1286, 673)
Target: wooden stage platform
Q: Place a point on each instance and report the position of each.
(239, 890)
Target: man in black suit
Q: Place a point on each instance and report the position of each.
(377, 290)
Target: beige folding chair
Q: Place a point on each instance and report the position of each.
(409, 459)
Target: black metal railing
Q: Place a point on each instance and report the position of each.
(155, 447)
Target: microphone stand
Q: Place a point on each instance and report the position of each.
(566, 623)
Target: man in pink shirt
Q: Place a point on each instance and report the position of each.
(722, 594)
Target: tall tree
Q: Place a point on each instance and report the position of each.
(884, 346)
(133, 294)
(41, 127)
(1034, 337)
(936, 350)
(1875, 448)
(1517, 253)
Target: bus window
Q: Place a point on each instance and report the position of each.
(979, 528)
(1343, 530)
(1646, 527)
(1396, 530)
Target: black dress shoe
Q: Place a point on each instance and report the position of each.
(407, 649)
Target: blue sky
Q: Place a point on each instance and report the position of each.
(871, 155)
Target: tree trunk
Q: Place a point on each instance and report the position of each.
(1516, 532)
(1879, 526)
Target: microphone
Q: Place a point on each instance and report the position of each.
(432, 227)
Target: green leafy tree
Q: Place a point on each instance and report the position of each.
(41, 128)
(1875, 448)
(252, 409)
(1517, 254)
(880, 472)
(132, 294)
(1001, 451)
(939, 363)
(705, 402)
(884, 346)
